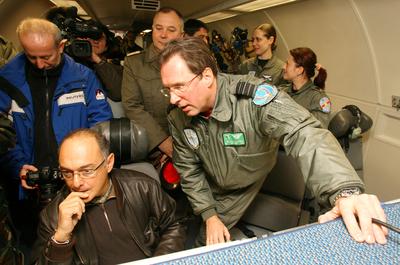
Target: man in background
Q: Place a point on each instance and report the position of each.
(143, 98)
(196, 28)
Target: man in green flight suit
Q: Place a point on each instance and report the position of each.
(226, 131)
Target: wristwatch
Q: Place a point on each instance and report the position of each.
(347, 192)
(60, 243)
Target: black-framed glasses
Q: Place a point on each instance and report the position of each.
(178, 90)
(85, 173)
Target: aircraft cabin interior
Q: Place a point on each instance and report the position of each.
(356, 41)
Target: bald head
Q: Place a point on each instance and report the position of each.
(88, 134)
(42, 42)
(39, 27)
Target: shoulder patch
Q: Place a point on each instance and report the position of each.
(133, 53)
(265, 93)
(325, 104)
(192, 137)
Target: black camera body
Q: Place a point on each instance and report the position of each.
(72, 28)
(49, 181)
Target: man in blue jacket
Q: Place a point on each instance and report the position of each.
(62, 96)
(59, 96)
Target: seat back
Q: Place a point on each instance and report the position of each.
(116, 108)
(278, 204)
(348, 125)
(128, 141)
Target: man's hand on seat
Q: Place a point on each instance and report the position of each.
(357, 211)
(216, 231)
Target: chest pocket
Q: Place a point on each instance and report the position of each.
(253, 162)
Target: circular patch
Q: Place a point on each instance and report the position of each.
(192, 138)
(325, 104)
(264, 94)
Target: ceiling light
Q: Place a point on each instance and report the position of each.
(217, 16)
(259, 4)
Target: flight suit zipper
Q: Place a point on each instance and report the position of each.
(204, 128)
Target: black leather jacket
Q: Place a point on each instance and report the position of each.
(148, 214)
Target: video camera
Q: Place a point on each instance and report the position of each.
(48, 180)
(239, 39)
(74, 27)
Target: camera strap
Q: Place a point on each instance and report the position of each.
(13, 92)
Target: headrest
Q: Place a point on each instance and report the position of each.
(350, 121)
(364, 121)
(128, 141)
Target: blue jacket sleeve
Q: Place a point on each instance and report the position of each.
(97, 106)
(11, 162)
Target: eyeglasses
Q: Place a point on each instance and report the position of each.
(85, 173)
(179, 89)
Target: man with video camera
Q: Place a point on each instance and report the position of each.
(92, 44)
(59, 95)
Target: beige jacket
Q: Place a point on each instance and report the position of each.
(142, 99)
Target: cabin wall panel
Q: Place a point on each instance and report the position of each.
(357, 42)
(16, 10)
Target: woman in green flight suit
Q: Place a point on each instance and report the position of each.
(299, 69)
(265, 64)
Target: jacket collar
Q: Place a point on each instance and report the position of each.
(222, 110)
(151, 56)
(271, 62)
(307, 86)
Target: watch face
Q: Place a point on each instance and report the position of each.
(347, 193)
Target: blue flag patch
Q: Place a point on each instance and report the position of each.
(264, 94)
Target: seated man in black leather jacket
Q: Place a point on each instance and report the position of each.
(104, 215)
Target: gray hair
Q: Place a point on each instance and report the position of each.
(194, 51)
(39, 26)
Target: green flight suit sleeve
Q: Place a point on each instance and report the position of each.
(7, 50)
(322, 161)
(193, 177)
(133, 104)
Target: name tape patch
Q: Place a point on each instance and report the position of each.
(234, 139)
(71, 98)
